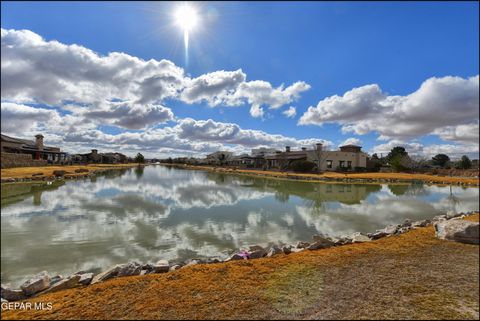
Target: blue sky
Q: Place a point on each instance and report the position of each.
(333, 47)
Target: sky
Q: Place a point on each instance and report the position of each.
(116, 76)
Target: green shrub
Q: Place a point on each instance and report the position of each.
(302, 166)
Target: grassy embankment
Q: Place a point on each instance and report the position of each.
(372, 177)
(47, 171)
(410, 276)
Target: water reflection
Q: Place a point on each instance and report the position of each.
(156, 212)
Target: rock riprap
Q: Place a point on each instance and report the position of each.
(36, 284)
(448, 227)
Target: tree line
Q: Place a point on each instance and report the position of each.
(399, 160)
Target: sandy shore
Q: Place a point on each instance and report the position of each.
(409, 276)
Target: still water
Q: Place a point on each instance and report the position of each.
(160, 212)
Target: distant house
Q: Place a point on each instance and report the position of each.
(35, 148)
(349, 157)
(219, 158)
(263, 151)
(114, 158)
(94, 157)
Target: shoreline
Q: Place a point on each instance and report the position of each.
(27, 174)
(249, 252)
(342, 178)
(260, 288)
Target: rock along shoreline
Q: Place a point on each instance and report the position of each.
(447, 226)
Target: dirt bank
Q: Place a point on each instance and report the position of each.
(344, 177)
(410, 276)
(47, 171)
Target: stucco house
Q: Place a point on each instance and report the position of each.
(349, 157)
(35, 148)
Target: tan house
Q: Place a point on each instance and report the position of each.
(349, 157)
(35, 148)
(219, 158)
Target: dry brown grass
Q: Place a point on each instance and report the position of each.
(410, 276)
(27, 172)
(333, 175)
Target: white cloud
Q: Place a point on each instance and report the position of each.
(49, 72)
(448, 107)
(415, 148)
(290, 112)
(351, 141)
(22, 118)
(260, 93)
(186, 137)
(209, 130)
(129, 116)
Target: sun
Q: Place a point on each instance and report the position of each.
(186, 17)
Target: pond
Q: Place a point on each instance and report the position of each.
(158, 212)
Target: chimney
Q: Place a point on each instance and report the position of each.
(304, 148)
(319, 146)
(39, 141)
(94, 151)
(287, 149)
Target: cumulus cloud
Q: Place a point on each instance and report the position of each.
(290, 112)
(50, 72)
(351, 141)
(216, 88)
(447, 106)
(260, 93)
(212, 131)
(418, 149)
(87, 90)
(130, 116)
(231, 89)
(184, 137)
(22, 118)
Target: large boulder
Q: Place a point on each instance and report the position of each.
(131, 268)
(274, 250)
(11, 295)
(359, 238)
(257, 254)
(458, 231)
(108, 274)
(59, 173)
(302, 245)
(64, 284)
(255, 248)
(422, 223)
(320, 243)
(287, 249)
(85, 278)
(161, 266)
(36, 284)
(55, 279)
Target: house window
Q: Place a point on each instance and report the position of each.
(342, 164)
(329, 163)
(349, 164)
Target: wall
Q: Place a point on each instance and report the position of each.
(357, 159)
(9, 160)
